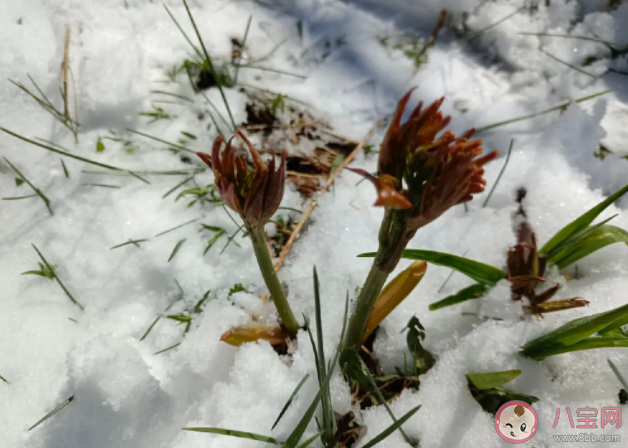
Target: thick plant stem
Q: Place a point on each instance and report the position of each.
(258, 237)
(368, 295)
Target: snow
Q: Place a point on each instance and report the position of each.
(125, 395)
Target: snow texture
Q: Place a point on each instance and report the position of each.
(120, 53)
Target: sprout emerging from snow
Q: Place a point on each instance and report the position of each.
(438, 173)
(254, 194)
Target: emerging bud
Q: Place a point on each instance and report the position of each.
(438, 173)
(241, 335)
(525, 272)
(254, 194)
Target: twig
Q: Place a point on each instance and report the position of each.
(351, 156)
(308, 212)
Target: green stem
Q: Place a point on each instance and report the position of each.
(368, 295)
(258, 237)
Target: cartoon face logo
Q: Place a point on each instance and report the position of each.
(515, 422)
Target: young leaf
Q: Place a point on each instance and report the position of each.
(562, 339)
(491, 380)
(393, 294)
(480, 272)
(468, 293)
(233, 433)
(100, 146)
(593, 241)
(423, 359)
(581, 222)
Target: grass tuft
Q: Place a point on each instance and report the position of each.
(56, 277)
(37, 191)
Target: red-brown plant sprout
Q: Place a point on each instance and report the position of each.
(420, 176)
(255, 194)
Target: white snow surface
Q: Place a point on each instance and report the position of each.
(127, 397)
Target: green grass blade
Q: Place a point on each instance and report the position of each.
(309, 441)
(493, 25)
(167, 349)
(291, 399)
(160, 140)
(571, 66)
(213, 240)
(492, 380)
(145, 335)
(189, 41)
(68, 154)
(594, 241)
(173, 189)
(499, 176)
(592, 39)
(246, 35)
(328, 416)
(382, 400)
(17, 198)
(53, 412)
(562, 106)
(234, 433)
(56, 277)
(37, 191)
(134, 242)
(468, 293)
(176, 249)
(297, 433)
(618, 374)
(392, 428)
(177, 227)
(4, 379)
(560, 339)
(210, 64)
(65, 169)
(480, 272)
(585, 344)
(581, 222)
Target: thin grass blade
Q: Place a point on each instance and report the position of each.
(392, 428)
(468, 293)
(234, 433)
(492, 380)
(53, 412)
(291, 399)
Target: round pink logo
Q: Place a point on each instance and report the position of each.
(515, 422)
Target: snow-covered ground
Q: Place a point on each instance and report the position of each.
(120, 50)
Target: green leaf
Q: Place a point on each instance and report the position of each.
(238, 287)
(392, 428)
(297, 433)
(491, 380)
(100, 146)
(480, 272)
(291, 399)
(4, 379)
(581, 222)
(468, 293)
(234, 433)
(587, 344)
(564, 338)
(65, 169)
(593, 241)
(176, 249)
(18, 181)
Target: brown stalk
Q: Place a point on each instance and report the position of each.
(305, 216)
